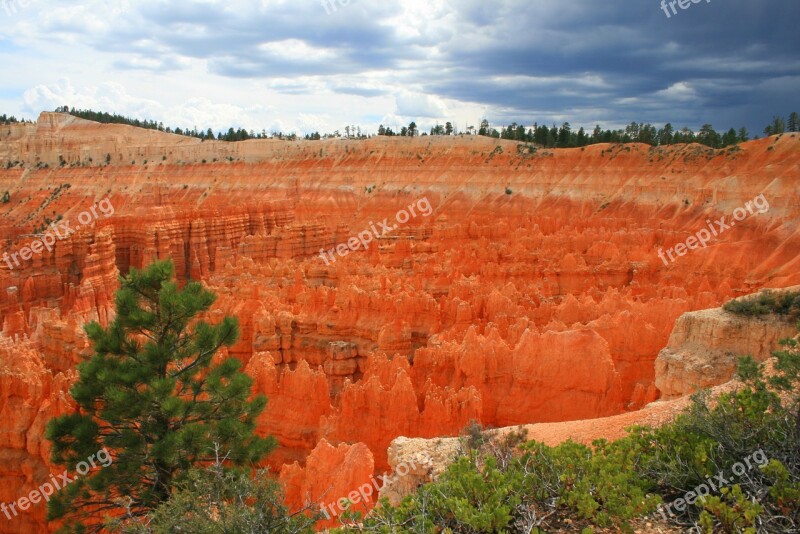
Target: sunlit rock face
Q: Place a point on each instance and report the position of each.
(523, 288)
(705, 347)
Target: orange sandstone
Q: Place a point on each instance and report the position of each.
(544, 305)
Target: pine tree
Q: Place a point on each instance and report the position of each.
(730, 138)
(743, 134)
(551, 140)
(708, 136)
(597, 134)
(581, 137)
(154, 398)
(665, 135)
(794, 122)
(564, 135)
(777, 126)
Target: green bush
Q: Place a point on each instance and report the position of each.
(766, 302)
(732, 512)
(6, 197)
(483, 493)
(216, 500)
(600, 485)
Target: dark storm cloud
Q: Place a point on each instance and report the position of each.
(727, 53)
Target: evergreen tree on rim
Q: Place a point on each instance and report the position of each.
(155, 399)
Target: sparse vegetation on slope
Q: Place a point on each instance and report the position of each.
(766, 302)
(102, 117)
(216, 500)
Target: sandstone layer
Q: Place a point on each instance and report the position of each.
(532, 291)
(706, 345)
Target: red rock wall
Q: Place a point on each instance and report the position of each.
(547, 304)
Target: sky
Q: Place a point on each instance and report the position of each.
(319, 65)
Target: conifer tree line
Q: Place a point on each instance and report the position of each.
(563, 136)
(636, 132)
(5, 119)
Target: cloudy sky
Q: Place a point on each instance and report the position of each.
(305, 65)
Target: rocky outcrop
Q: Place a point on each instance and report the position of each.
(420, 461)
(705, 346)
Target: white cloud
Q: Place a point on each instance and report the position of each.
(194, 112)
(296, 50)
(420, 105)
(308, 123)
(681, 91)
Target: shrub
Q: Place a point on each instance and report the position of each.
(489, 490)
(711, 438)
(6, 197)
(766, 302)
(215, 499)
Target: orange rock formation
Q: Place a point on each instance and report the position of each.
(546, 304)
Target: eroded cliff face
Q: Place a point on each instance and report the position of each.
(705, 346)
(546, 302)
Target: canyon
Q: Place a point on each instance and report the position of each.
(533, 293)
